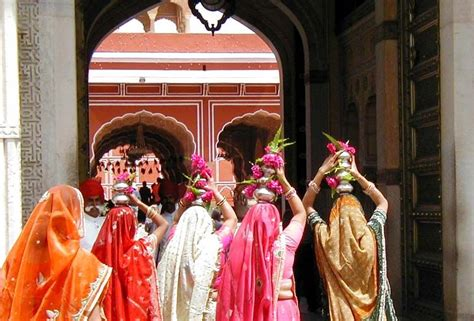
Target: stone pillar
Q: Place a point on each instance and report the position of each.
(457, 154)
(10, 164)
(388, 151)
(47, 58)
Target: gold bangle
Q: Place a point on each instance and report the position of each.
(149, 210)
(152, 215)
(221, 202)
(181, 203)
(369, 189)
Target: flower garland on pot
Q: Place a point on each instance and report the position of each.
(127, 178)
(200, 175)
(123, 186)
(339, 176)
(263, 170)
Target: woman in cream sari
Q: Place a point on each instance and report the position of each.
(47, 275)
(189, 268)
(351, 252)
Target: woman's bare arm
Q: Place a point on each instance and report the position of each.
(161, 223)
(314, 186)
(294, 200)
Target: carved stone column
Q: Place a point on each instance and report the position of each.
(10, 164)
(388, 136)
(457, 114)
(48, 112)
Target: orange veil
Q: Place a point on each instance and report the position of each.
(46, 275)
(346, 251)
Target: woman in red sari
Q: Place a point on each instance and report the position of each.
(47, 275)
(133, 290)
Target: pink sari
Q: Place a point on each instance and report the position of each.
(247, 289)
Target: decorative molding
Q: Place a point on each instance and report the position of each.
(9, 131)
(387, 30)
(30, 104)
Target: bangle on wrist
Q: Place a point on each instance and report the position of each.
(290, 194)
(370, 188)
(152, 216)
(290, 189)
(313, 219)
(221, 202)
(181, 203)
(149, 211)
(314, 187)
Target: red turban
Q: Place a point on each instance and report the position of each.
(92, 188)
(168, 189)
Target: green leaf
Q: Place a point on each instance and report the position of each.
(333, 140)
(194, 190)
(248, 181)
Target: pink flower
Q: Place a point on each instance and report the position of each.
(129, 190)
(200, 183)
(123, 177)
(348, 148)
(273, 160)
(332, 148)
(206, 172)
(207, 197)
(268, 150)
(249, 190)
(189, 197)
(256, 171)
(332, 182)
(197, 162)
(275, 186)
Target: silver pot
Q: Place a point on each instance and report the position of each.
(344, 186)
(198, 201)
(264, 194)
(120, 198)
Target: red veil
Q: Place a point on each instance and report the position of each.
(247, 288)
(133, 292)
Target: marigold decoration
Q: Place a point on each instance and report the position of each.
(197, 182)
(263, 171)
(338, 177)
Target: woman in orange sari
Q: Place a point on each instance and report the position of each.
(350, 251)
(47, 275)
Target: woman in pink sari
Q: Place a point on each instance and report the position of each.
(257, 281)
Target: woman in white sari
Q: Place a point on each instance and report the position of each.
(189, 269)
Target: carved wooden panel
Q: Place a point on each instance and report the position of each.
(421, 188)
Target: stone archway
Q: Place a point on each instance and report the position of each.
(244, 138)
(288, 28)
(241, 141)
(169, 139)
